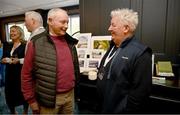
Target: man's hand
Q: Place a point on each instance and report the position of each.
(35, 108)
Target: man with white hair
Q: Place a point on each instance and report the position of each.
(51, 68)
(34, 24)
(125, 75)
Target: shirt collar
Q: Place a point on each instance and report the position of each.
(37, 29)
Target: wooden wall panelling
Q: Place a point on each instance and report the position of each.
(89, 16)
(173, 28)
(159, 25)
(154, 24)
(105, 9)
(137, 5)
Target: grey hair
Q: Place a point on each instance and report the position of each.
(36, 16)
(127, 17)
(53, 12)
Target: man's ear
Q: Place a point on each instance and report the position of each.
(34, 21)
(49, 21)
(126, 29)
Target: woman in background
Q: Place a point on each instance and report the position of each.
(11, 57)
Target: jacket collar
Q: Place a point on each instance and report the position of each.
(68, 38)
(124, 43)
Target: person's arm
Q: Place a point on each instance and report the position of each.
(142, 82)
(27, 81)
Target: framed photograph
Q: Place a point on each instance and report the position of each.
(81, 63)
(93, 63)
(97, 53)
(81, 53)
(84, 40)
(100, 42)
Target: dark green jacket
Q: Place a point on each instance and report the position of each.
(45, 67)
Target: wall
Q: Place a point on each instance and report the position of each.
(159, 25)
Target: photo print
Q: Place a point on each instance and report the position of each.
(97, 53)
(84, 40)
(101, 42)
(81, 53)
(93, 63)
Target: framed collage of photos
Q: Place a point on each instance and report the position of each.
(91, 49)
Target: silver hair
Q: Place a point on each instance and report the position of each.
(53, 12)
(127, 17)
(36, 16)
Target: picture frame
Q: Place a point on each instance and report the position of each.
(93, 63)
(100, 42)
(84, 40)
(97, 53)
(81, 53)
(82, 63)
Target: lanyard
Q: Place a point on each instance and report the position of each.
(108, 58)
(110, 67)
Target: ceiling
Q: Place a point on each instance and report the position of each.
(16, 7)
